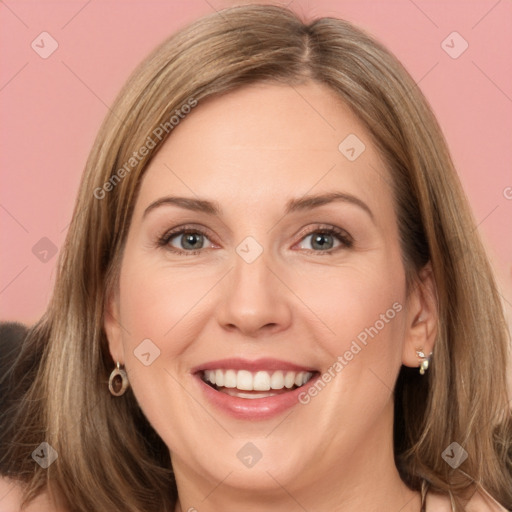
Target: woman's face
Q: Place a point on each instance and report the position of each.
(290, 269)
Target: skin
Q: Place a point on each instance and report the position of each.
(251, 151)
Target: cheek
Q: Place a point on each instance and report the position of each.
(361, 312)
(364, 311)
(156, 301)
(168, 307)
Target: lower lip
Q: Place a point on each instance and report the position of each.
(253, 408)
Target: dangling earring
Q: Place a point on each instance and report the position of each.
(118, 381)
(425, 361)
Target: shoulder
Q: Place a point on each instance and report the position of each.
(11, 497)
(481, 501)
(438, 503)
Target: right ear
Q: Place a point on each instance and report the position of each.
(113, 328)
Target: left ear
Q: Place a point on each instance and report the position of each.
(113, 328)
(422, 318)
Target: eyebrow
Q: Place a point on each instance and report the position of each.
(293, 205)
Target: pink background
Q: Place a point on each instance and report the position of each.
(51, 109)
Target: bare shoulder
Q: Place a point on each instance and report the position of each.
(481, 501)
(438, 503)
(11, 496)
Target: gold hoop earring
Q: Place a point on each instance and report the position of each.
(425, 361)
(118, 381)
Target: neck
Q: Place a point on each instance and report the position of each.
(362, 479)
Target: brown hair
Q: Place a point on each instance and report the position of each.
(110, 458)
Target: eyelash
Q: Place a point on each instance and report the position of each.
(341, 235)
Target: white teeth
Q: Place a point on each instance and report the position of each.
(277, 380)
(245, 380)
(219, 378)
(289, 379)
(241, 394)
(261, 381)
(230, 379)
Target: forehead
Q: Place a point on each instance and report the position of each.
(268, 142)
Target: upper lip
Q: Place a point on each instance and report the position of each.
(261, 364)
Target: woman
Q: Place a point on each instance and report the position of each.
(274, 271)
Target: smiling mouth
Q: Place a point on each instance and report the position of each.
(253, 385)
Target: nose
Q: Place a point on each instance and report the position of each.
(254, 301)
